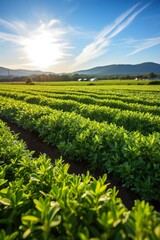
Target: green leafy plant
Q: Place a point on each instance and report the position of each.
(43, 201)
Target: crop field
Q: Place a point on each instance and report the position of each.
(112, 128)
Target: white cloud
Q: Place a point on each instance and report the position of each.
(145, 44)
(127, 21)
(11, 38)
(15, 25)
(103, 39)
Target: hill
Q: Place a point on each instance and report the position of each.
(115, 69)
(123, 69)
(5, 72)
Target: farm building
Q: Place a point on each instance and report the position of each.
(93, 79)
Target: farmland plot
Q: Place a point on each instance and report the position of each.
(117, 131)
(80, 123)
(39, 200)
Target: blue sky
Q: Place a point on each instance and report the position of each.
(68, 35)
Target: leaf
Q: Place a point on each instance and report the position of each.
(13, 236)
(3, 181)
(35, 178)
(27, 233)
(53, 210)
(39, 204)
(56, 222)
(157, 231)
(30, 218)
(5, 201)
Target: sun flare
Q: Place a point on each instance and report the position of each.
(42, 50)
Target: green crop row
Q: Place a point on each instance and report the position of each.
(131, 120)
(127, 98)
(108, 102)
(145, 123)
(86, 99)
(42, 201)
(131, 156)
(139, 94)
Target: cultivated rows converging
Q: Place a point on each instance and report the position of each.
(116, 131)
(42, 201)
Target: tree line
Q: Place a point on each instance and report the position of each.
(74, 77)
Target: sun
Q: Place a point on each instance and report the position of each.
(42, 50)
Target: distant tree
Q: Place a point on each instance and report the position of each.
(151, 75)
(29, 80)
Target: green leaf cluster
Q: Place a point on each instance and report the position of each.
(129, 155)
(42, 201)
(132, 119)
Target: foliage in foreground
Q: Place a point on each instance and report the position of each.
(42, 201)
(131, 156)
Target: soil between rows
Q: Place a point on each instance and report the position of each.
(34, 143)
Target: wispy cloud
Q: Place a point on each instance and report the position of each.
(17, 30)
(11, 38)
(15, 25)
(103, 39)
(145, 44)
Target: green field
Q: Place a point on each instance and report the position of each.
(109, 125)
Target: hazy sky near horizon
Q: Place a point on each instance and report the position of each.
(69, 35)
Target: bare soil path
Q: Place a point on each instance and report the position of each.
(34, 143)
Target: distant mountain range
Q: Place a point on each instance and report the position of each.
(123, 69)
(4, 72)
(115, 69)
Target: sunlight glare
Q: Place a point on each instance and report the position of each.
(42, 50)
